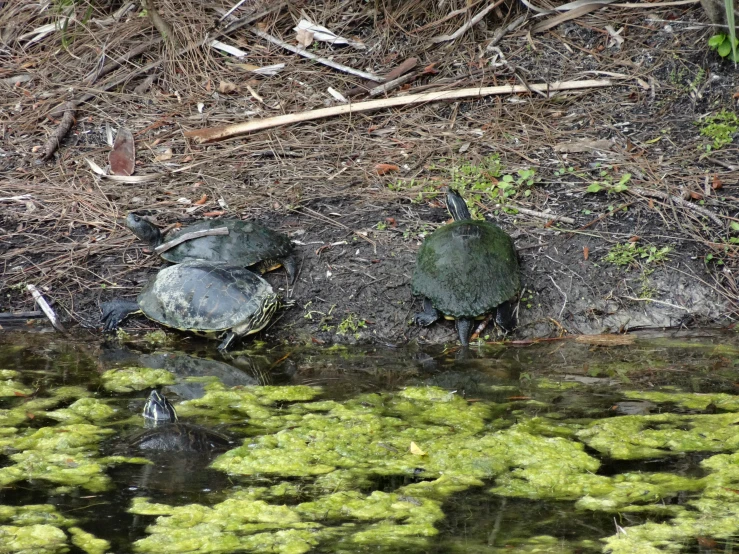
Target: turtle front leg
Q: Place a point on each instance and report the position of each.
(291, 267)
(505, 316)
(116, 311)
(428, 315)
(464, 328)
(227, 340)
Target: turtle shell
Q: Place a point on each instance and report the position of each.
(467, 268)
(247, 243)
(178, 437)
(205, 297)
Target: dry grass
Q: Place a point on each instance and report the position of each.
(66, 238)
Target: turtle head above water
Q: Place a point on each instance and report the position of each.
(158, 409)
(144, 229)
(456, 205)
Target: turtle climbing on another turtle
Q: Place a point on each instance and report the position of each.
(166, 434)
(213, 300)
(247, 244)
(465, 270)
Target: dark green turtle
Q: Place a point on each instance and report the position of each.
(165, 434)
(466, 269)
(247, 244)
(213, 300)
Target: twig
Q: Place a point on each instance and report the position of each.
(228, 131)
(310, 55)
(190, 236)
(501, 32)
(161, 25)
(463, 29)
(41, 301)
(677, 200)
(560, 292)
(64, 126)
(721, 163)
(93, 76)
(541, 215)
(656, 301)
(11, 316)
(21, 198)
(391, 85)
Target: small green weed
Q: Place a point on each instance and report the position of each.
(721, 128)
(351, 324)
(606, 183)
(629, 253)
(721, 43)
(325, 317)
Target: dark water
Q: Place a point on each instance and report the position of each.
(557, 383)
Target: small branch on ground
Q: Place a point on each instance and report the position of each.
(164, 28)
(229, 131)
(310, 55)
(679, 201)
(41, 301)
(541, 215)
(93, 76)
(464, 28)
(190, 236)
(65, 125)
(503, 31)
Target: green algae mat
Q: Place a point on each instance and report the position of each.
(558, 447)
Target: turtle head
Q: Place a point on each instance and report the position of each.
(456, 205)
(144, 229)
(158, 409)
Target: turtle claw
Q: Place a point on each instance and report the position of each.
(428, 315)
(114, 312)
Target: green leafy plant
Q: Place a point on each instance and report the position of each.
(606, 183)
(627, 254)
(351, 324)
(720, 127)
(721, 43)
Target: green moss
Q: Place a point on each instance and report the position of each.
(136, 378)
(84, 410)
(36, 539)
(8, 374)
(649, 436)
(34, 514)
(11, 387)
(689, 400)
(88, 542)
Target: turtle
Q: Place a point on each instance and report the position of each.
(164, 433)
(465, 270)
(209, 299)
(247, 243)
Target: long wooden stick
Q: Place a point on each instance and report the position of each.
(190, 236)
(229, 131)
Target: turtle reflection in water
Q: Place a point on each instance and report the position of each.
(466, 269)
(247, 244)
(212, 300)
(166, 434)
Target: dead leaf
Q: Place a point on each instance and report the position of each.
(122, 158)
(585, 253)
(164, 156)
(224, 87)
(416, 450)
(391, 221)
(303, 38)
(696, 195)
(635, 238)
(213, 214)
(382, 169)
(584, 146)
(203, 200)
(716, 184)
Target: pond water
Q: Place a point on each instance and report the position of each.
(559, 446)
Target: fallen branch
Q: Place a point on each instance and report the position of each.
(41, 301)
(677, 200)
(310, 55)
(392, 85)
(190, 236)
(464, 28)
(229, 131)
(93, 76)
(64, 126)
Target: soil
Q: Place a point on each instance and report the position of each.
(357, 227)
